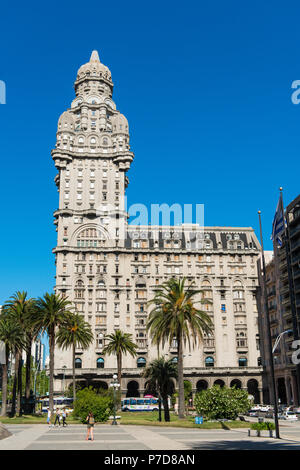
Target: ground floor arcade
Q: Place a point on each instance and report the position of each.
(135, 385)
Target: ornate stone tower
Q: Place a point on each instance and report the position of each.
(92, 155)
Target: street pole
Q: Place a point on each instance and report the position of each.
(269, 339)
(64, 378)
(115, 385)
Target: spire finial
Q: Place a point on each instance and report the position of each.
(94, 57)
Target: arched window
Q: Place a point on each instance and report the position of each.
(141, 362)
(90, 237)
(209, 361)
(100, 363)
(78, 363)
(243, 362)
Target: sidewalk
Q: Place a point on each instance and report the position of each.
(129, 437)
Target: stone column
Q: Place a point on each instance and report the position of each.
(288, 390)
(294, 390)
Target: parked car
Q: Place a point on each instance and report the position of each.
(264, 408)
(288, 416)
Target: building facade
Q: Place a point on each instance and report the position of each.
(283, 295)
(110, 269)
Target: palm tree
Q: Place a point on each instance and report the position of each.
(160, 373)
(119, 343)
(175, 317)
(18, 307)
(75, 332)
(12, 337)
(31, 333)
(50, 312)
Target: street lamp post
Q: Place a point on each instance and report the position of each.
(115, 386)
(279, 338)
(64, 373)
(275, 346)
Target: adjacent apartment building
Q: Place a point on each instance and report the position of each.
(110, 269)
(283, 297)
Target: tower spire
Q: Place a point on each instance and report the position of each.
(94, 56)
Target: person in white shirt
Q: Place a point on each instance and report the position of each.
(49, 417)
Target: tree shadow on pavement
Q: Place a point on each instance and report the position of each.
(244, 445)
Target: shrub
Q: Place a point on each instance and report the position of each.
(265, 426)
(222, 402)
(100, 404)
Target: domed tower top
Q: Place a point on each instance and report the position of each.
(93, 71)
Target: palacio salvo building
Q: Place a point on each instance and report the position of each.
(110, 269)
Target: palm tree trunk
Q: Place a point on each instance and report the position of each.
(28, 368)
(19, 394)
(166, 408)
(74, 382)
(180, 379)
(51, 367)
(159, 401)
(4, 382)
(14, 390)
(119, 393)
(119, 366)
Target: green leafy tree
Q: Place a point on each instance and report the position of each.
(100, 404)
(175, 316)
(160, 374)
(118, 344)
(50, 312)
(222, 402)
(74, 333)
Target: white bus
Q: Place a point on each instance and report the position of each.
(59, 402)
(140, 404)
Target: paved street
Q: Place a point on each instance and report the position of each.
(107, 437)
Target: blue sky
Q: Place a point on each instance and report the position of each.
(206, 88)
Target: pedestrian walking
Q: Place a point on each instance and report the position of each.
(64, 417)
(90, 427)
(49, 417)
(57, 417)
